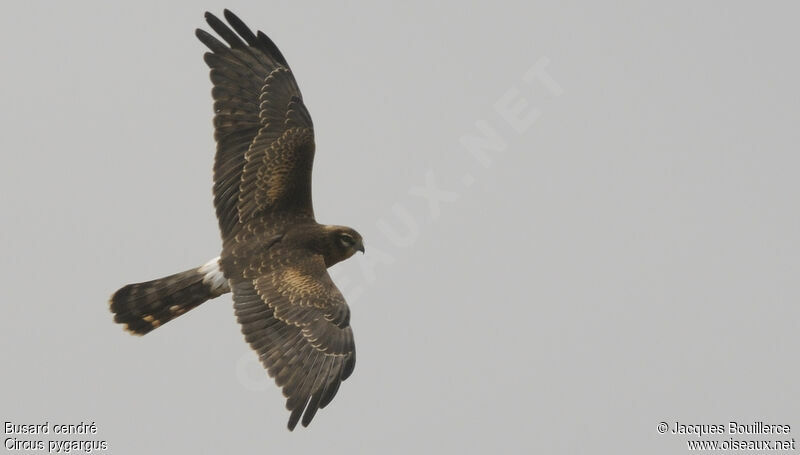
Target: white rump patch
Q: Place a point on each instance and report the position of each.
(213, 276)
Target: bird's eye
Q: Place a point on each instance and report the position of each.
(347, 240)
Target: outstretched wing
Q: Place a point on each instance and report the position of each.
(297, 321)
(264, 133)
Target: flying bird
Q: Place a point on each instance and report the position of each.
(274, 255)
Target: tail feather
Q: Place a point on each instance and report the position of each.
(142, 307)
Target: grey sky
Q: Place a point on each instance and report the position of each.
(611, 245)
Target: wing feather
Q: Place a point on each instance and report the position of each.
(297, 321)
(256, 101)
(223, 31)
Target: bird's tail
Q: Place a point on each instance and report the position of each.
(143, 307)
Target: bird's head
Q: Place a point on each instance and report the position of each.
(343, 242)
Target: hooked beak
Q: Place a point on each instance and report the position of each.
(360, 247)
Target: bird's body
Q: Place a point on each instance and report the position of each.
(274, 254)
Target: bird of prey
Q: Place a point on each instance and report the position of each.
(274, 255)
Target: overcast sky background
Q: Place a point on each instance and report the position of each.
(621, 248)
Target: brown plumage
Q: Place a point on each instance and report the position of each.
(274, 254)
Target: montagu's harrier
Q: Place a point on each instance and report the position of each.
(274, 254)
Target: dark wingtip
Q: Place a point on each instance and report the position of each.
(294, 418)
(225, 32)
(240, 27)
(271, 48)
(307, 417)
(210, 17)
(210, 42)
